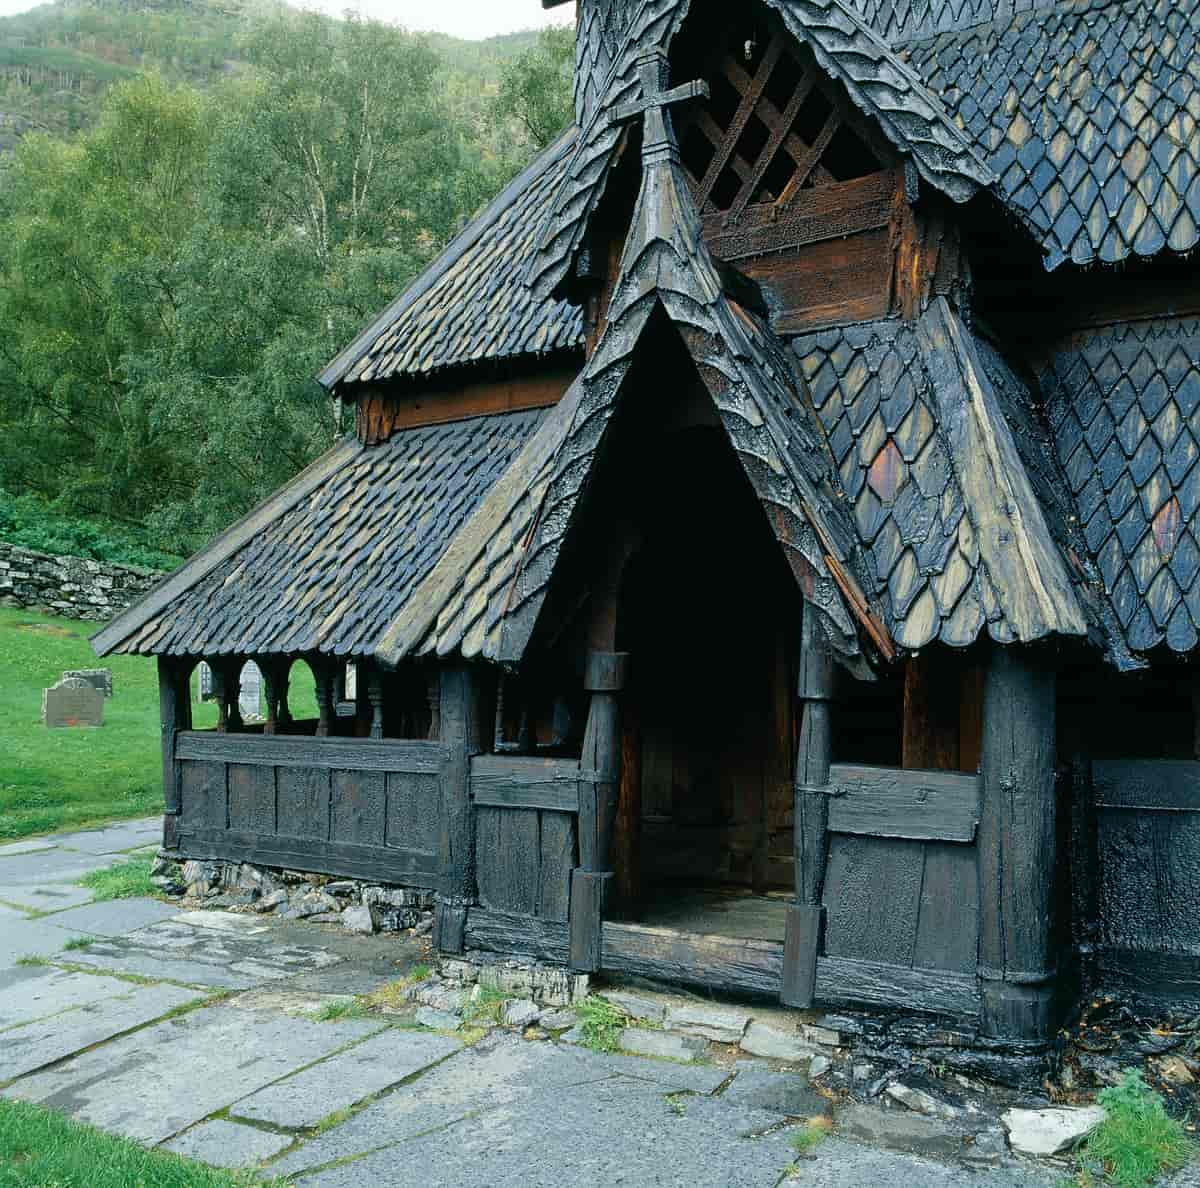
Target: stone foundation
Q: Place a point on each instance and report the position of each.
(73, 587)
(293, 895)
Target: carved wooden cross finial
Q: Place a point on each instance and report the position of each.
(654, 68)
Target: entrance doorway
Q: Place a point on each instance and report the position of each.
(711, 614)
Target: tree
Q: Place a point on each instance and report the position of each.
(535, 89)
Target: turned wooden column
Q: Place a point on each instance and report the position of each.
(175, 714)
(460, 730)
(275, 683)
(226, 675)
(805, 932)
(1017, 847)
(599, 786)
(323, 681)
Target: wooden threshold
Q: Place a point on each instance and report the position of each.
(727, 965)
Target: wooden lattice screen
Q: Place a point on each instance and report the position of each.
(774, 131)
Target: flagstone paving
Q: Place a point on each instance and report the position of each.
(197, 1031)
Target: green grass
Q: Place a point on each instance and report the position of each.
(484, 1006)
(127, 880)
(601, 1024)
(1137, 1141)
(42, 1149)
(330, 1012)
(78, 942)
(68, 778)
(32, 959)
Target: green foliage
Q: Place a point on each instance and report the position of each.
(535, 88)
(43, 1149)
(31, 961)
(127, 880)
(600, 1023)
(1138, 1139)
(32, 523)
(173, 277)
(78, 942)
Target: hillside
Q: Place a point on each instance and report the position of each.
(57, 59)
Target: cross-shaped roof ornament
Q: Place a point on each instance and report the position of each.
(655, 71)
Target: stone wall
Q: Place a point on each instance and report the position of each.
(73, 587)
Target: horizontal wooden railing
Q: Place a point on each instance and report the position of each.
(289, 750)
(893, 802)
(499, 781)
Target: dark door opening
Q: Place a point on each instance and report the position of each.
(711, 614)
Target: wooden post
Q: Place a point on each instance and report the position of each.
(1017, 846)
(459, 722)
(323, 680)
(175, 714)
(375, 695)
(627, 839)
(599, 782)
(805, 931)
(226, 672)
(275, 678)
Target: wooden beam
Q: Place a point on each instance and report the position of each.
(627, 836)
(509, 782)
(806, 917)
(1169, 785)
(384, 410)
(460, 718)
(889, 802)
(175, 714)
(727, 965)
(1017, 847)
(350, 754)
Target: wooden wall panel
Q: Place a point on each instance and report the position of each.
(524, 859)
(557, 861)
(303, 802)
(829, 283)
(203, 793)
(413, 812)
(251, 798)
(948, 919)
(358, 811)
(1150, 880)
(872, 899)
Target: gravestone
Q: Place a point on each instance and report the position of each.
(72, 702)
(204, 682)
(100, 677)
(250, 692)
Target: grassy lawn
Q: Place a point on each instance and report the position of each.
(67, 778)
(42, 1149)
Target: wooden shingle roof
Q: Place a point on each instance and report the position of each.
(961, 537)
(1124, 403)
(1087, 111)
(329, 570)
(470, 306)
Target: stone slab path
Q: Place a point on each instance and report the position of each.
(198, 1032)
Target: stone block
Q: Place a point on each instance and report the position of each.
(72, 702)
(437, 1020)
(636, 1006)
(761, 1039)
(666, 1045)
(721, 1025)
(226, 1144)
(901, 1131)
(1047, 1132)
(358, 919)
(521, 1013)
